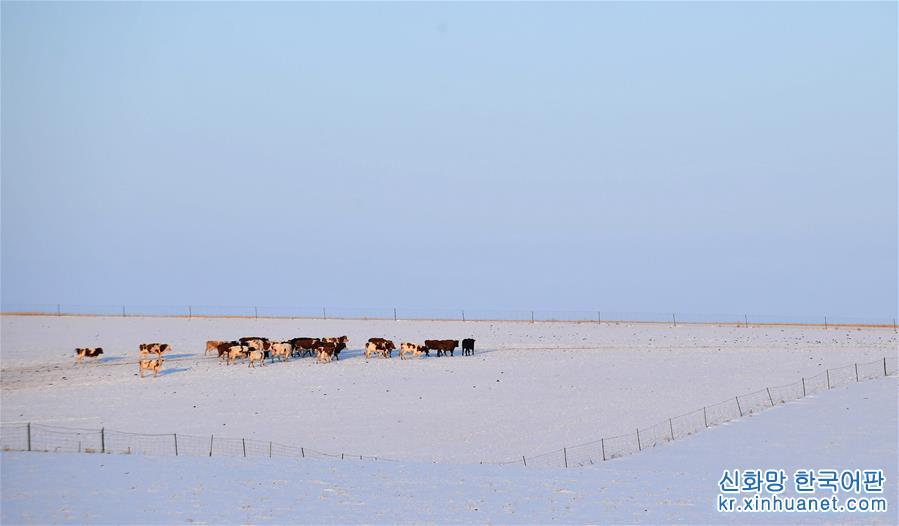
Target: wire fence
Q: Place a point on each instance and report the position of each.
(390, 313)
(48, 438)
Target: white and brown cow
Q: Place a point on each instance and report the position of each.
(237, 352)
(254, 356)
(159, 349)
(282, 350)
(150, 365)
(413, 349)
(87, 352)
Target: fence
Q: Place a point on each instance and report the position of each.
(54, 439)
(41, 437)
(384, 313)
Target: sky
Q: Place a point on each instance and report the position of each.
(645, 157)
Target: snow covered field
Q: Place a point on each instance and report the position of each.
(529, 388)
(853, 426)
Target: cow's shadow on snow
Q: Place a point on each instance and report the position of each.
(176, 370)
(110, 359)
(173, 356)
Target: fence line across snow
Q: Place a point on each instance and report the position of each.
(444, 314)
(49, 438)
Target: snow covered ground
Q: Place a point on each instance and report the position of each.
(529, 388)
(853, 426)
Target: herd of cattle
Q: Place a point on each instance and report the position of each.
(256, 349)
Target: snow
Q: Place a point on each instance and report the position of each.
(852, 426)
(530, 388)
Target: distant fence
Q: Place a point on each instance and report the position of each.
(47, 438)
(55, 439)
(390, 313)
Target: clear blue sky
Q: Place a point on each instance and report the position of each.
(692, 157)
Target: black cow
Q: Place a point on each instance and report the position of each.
(468, 347)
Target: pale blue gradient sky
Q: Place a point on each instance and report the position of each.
(693, 157)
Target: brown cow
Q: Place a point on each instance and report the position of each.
(223, 347)
(151, 365)
(212, 344)
(442, 346)
(87, 352)
(411, 348)
(304, 346)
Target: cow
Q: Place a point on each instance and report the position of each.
(256, 356)
(339, 346)
(245, 339)
(304, 346)
(379, 346)
(282, 350)
(411, 348)
(325, 351)
(145, 349)
(383, 345)
(223, 347)
(442, 346)
(468, 347)
(237, 351)
(151, 365)
(87, 352)
(212, 344)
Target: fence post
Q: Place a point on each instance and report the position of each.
(828, 378)
(705, 416)
(825, 322)
(803, 387)
(894, 325)
(210, 444)
(244, 442)
(598, 316)
(671, 427)
(269, 449)
(324, 314)
(737, 398)
(463, 314)
(255, 312)
(885, 366)
(745, 320)
(565, 456)
(29, 436)
(176, 443)
(102, 440)
(302, 453)
(769, 396)
(59, 313)
(639, 445)
(394, 314)
(190, 312)
(856, 371)
(674, 318)
(123, 311)
(602, 442)
(341, 456)
(523, 461)
(532, 316)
